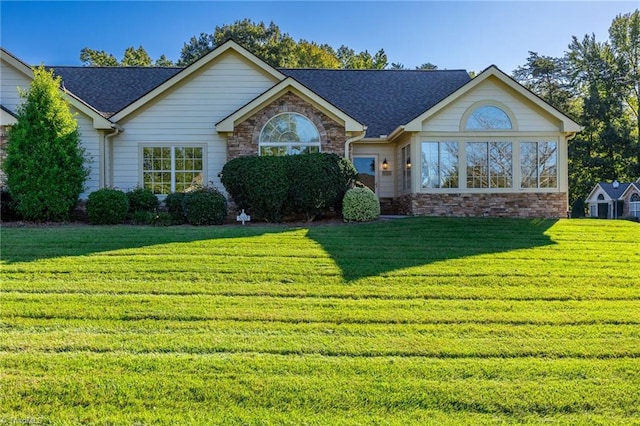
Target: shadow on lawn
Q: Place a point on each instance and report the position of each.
(371, 249)
(359, 250)
(32, 244)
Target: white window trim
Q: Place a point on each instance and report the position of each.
(515, 138)
(471, 109)
(172, 145)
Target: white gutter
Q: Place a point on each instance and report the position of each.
(395, 133)
(106, 160)
(349, 141)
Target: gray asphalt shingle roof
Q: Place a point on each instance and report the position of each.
(109, 89)
(380, 99)
(614, 193)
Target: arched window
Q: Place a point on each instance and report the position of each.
(289, 133)
(488, 117)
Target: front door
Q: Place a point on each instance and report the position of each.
(367, 168)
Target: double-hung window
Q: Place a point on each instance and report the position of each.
(167, 169)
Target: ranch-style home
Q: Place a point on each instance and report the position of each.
(427, 142)
(613, 200)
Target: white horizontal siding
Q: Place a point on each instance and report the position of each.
(10, 80)
(529, 117)
(187, 114)
(386, 182)
(90, 141)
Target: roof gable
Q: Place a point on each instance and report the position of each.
(633, 187)
(567, 124)
(110, 89)
(608, 189)
(183, 74)
(286, 85)
(99, 122)
(381, 99)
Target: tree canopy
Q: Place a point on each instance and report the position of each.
(268, 42)
(597, 83)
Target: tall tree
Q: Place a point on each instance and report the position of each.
(548, 78)
(162, 61)
(95, 58)
(312, 55)
(265, 41)
(624, 35)
(132, 57)
(196, 48)
(427, 66)
(604, 149)
(136, 58)
(45, 165)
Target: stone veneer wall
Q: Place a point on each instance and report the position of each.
(244, 140)
(3, 151)
(548, 205)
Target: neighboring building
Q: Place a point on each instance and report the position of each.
(614, 200)
(427, 142)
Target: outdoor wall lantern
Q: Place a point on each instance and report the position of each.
(408, 163)
(385, 165)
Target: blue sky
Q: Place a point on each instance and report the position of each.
(454, 35)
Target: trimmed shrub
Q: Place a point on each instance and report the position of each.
(107, 207)
(317, 183)
(8, 212)
(360, 205)
(142, 200)
(173, 202)
(258, 185)
(273, 187)
(577, 209)
(206, 206)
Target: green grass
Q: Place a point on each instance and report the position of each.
(413, 321)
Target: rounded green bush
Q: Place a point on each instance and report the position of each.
(142, 200)
(360, 205)
(173, 202)
(107, 207)
(206, 206)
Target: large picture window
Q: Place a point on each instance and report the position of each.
(167, 169)
(289, 134)
(539, 164)
(489, 165)
(440, 164)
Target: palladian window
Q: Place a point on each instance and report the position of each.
(289, 134)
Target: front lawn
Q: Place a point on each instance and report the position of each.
(412, 321)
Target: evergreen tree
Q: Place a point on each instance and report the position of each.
(45, 164)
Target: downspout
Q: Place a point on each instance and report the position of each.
(106, 161)
(569, 136)
(348, 142)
